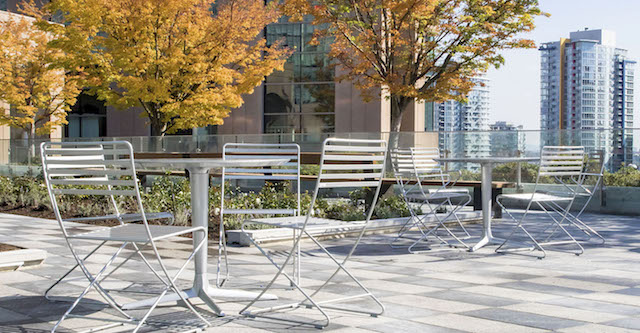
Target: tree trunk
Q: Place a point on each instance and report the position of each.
(158, 127)
(31, 145)
(398, 106)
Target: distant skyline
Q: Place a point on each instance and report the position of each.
(515, 87)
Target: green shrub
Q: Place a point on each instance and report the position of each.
(625, 176)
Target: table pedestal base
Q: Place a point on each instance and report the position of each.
(486, 240)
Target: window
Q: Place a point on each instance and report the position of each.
(302, 98)
(87, 119)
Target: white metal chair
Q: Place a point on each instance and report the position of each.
(565, 165)
(344, 164)
(411, 168)
(106, 169)
(289, 171)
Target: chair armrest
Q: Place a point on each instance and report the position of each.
(592, 174)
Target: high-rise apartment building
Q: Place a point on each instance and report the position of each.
(587, 90)
(507, 139)
(464, 127)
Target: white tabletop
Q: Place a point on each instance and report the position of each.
(482, 160)
(185, 163)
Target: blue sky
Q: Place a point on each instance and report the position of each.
(515, 86)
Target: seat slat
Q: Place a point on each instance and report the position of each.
(92, 181)
(86, 151)
(352, 175)
(371, 149)
(352, 166)
(262, 177)
(368, 158)
(94, 172)
(348, 184)
(93, 192)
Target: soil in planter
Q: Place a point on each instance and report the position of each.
(7, 247)
(213, 231)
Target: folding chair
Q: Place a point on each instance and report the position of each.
(565, 165)
(413, 166)
(289, 171)
(106, 169)
(344, 164)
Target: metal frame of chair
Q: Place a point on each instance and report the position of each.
(107, 169)
(289, 171)
(565, 164)
(344, 163)
(416, 165)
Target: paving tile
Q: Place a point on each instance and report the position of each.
(431, 282)
(613, 298)
(627, 323)
(471, 324)
(524, 318)
(564, 312)
(578, 284)
(605, 279)
(470, 297)
(593, 305)
(404, 326)
(407, 312)
(515, 294)
(595, 328)
(469, 278)
(544, 288)
(628, 291)
(432, 303)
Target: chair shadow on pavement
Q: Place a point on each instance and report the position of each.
(35, 314)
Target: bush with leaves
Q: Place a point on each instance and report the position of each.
(625, 176)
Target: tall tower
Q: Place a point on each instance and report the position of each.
(587, 95)
(464, 127)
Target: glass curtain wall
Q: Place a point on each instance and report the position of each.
(300, 99)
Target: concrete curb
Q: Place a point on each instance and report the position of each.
(18, 259)
(262, 236)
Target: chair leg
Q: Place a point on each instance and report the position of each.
(170, 285)
(513, 231)
(281, 272)
(46, 293)
(92, 283)
(341, 267)
(222, 253)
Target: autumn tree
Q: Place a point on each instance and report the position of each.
(39, 93)
(418, 49)
(187, 63)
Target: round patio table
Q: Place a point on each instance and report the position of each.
(487, 164)
(199, 182)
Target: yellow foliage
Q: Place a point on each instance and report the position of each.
(39, 93)
(418, 49)
(186, 62)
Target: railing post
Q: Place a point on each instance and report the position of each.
(519, 176)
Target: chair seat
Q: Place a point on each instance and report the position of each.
(134, 233)
(434, 194)
(296, 222)
(537, 197)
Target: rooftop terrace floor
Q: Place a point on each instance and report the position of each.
(444, 290)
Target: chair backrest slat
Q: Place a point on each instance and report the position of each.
(349, 163)
(285, 172)
(101, 168)
(561, 161)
